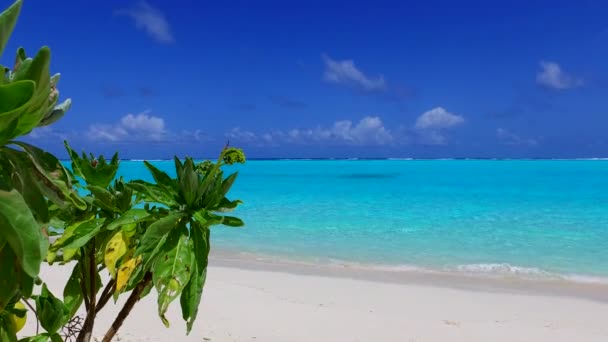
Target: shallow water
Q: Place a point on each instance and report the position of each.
(525, 218)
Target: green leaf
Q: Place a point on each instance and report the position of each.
(152, 193)
(8, 19)
(51, 311)
(131, 216)
(162, 179)
(15, 98)
(57, 113)
(227, 183)
(156, 231)
(207, 219)
(72, 292)
(9, 268)
(58, 185)
(22, 232)
(27, 184)
(38, 71)
(94, 172)
(103, 198)
(188, 183)
(192, 293)
(43, 338)
(232, 221)
(171, 274)
(226, 205)
(78, 234)
(7, 330)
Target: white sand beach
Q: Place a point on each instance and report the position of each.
(253, 301)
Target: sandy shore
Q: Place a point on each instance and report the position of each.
(254, 301)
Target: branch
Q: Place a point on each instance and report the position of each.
(35, 313)
(87, 328)
(83, 287)
(126, 309)
(105, 295)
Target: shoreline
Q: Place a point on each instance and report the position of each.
(247, 300)
(486, 282)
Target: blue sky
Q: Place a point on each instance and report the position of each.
(425, 79)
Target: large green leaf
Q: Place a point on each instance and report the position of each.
(45, 337)
(94, 171)
(131, 216)
(7, 329)
(191, 295)
(15, 98)
(171, 274)
(232, 221)
(72, 292)
(27, 184)
(22, 232)
(8, 19)
(37, 71)
(51, 311)
(58, 185)
(188, 183)
(9, 268)
(156, 231)
(162, 179)
(103, 198)
(152, 193)
(78, 234)
(56, 114)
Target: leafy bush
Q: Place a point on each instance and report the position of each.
(144, 235)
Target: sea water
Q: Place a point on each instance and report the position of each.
(538, 218)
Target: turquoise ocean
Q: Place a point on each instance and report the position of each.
(528, 218)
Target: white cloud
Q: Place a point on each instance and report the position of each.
(241, 135)
(151, 20)
(438, 118)
(431, 124)
(140, 127)
(552, 76)
(509, 138)
(346, 73)
(368, 131)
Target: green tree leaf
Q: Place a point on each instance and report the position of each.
(37, 71)
(156, 231)
(191, 295)
(15, 98)
(51, 311)
(7, 330)
(171, 273)
(58, 185)
(131, 216)
(9, 268)
(232, 221)
(8, 19)
(72, 292)
(78, 234)
(22, 232)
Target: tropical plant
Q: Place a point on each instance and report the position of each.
(143, 235)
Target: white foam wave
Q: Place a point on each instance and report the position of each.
(508, 270)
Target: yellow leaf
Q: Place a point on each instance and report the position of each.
(124, 273)
(115, 249)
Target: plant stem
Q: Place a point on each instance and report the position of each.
(105, 295)
(87, 328)
(126, 309)
(35, 313)
(83, 286)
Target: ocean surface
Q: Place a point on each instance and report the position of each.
(529, 218)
